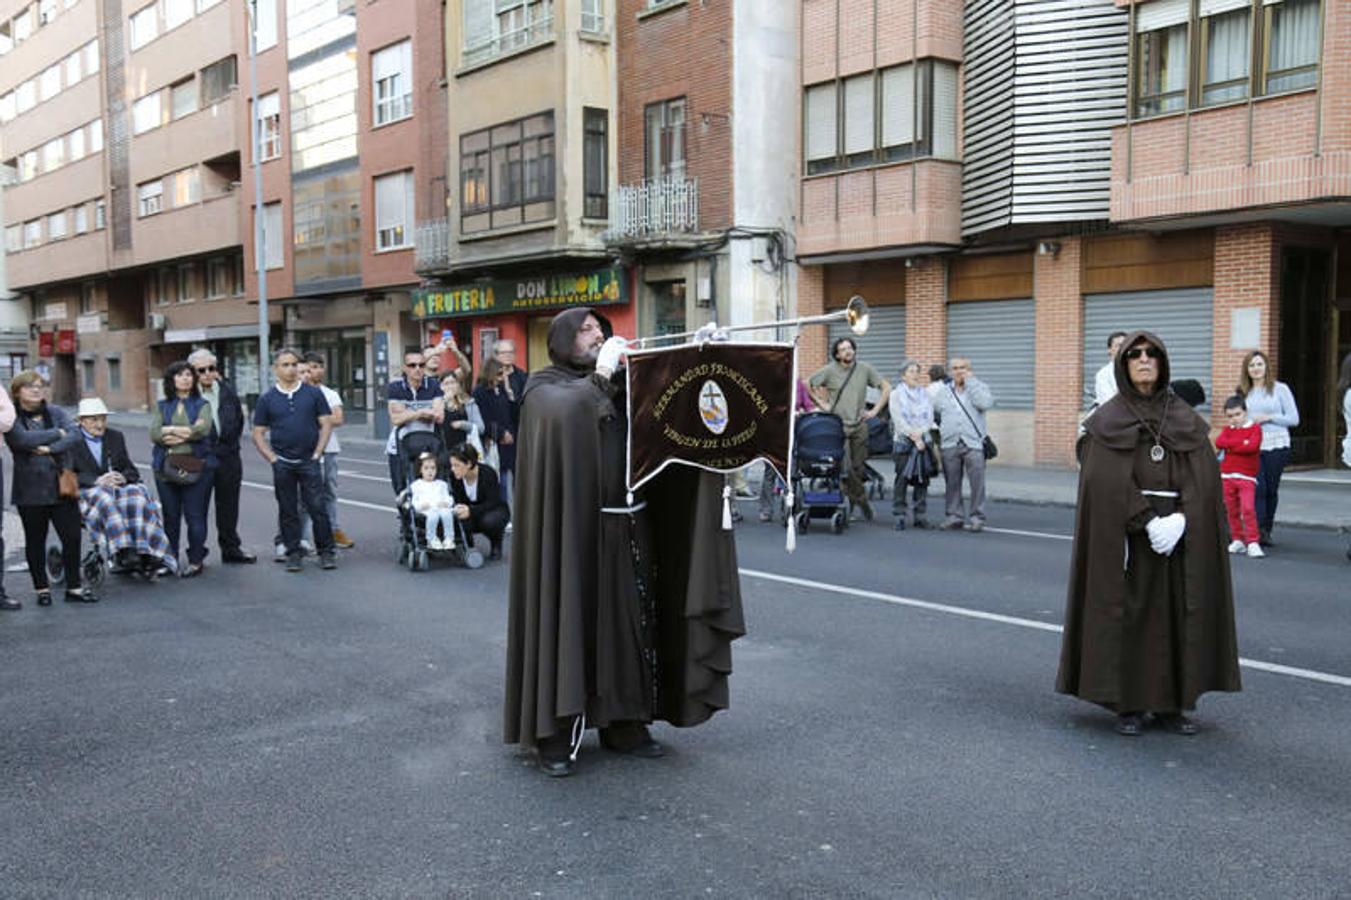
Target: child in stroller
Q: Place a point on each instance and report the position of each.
(431, 498)
(818, 470)
(418, 540)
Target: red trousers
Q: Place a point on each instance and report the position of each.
(1239, 494)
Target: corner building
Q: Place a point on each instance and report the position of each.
(1161, 165)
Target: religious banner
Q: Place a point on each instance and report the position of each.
(603, 287)
(715, 405)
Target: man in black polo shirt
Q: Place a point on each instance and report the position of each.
(291, 425)
(415, 404)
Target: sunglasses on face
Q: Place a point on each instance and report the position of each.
(415, 365)
(202, 370)
(1137, 352)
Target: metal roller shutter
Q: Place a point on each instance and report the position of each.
(1181, 318)
(999, 338)
(884, 345)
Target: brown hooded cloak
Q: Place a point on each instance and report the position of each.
(1145, 632)
(620, 617)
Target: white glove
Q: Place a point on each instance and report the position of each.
(1165, 532)
(608, 358)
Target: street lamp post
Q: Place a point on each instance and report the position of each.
(259, 220)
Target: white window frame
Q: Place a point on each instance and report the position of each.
(274, 248)
(265, 30)
(25, 96)
(185, 88)
(394, 209)
(147, 113)
(269, 127)
(176, 13)
(96, 136)
(32, 234)
(100, 215)
(47, 12)
(90, 52)
(150, 198)
(514, 25)
(53, 154)
(76, 144)
(28, 166)
(49, 82)
(8, 107)
(13, 238)
(184, 187)
(204, 5)
(72, 69)
(57, 226)
(392, 82)
(143, 26)
(80, 215)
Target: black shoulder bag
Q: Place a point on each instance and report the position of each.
(987, 444)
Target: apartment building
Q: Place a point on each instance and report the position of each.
(13, 315)
(120, 131)
(1013, 181)
(531, 94)
(703, 213)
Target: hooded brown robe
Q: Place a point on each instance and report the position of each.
(1145, 632)
(620, 617)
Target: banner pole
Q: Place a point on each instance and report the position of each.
(789, 500)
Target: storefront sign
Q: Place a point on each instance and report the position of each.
(46, 343)
(89, 324)
(65, 341)
(54, 310)
(603, 287)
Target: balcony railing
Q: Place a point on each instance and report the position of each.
(432, 246)
(505, 42)
(654, 209)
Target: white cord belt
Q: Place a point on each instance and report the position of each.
(624, 510)
(1173, 495)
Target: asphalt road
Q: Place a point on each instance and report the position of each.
(254, 733)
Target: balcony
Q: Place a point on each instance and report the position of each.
(656, 212)
(508, 43)
(432, 247)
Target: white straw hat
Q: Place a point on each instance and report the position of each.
(91, 406)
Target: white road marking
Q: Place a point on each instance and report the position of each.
(365, 462)
(363, 477)
(1256, 664)
(1035, 534)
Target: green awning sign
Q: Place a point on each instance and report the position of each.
(603, 287)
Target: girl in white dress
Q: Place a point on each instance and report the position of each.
(431, 497)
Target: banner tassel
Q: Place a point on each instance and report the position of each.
(790, 543)
(726, 507)
(629, 498)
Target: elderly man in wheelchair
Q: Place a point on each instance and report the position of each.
(117, 510)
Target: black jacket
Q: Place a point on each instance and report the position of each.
(115, 459)
(489, 492)
(35, 475)
(231, 415)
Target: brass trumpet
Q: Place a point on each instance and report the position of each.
(855, 313)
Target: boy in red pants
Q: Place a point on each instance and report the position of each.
(1241, 443)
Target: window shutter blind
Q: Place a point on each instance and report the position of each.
(898, 105)
(944, 110)
(821, 121)
(269, 105)
(858, 114)
(388, 201)
(1215, 7)
(1162, 14)
(385, 63)
(478, 22)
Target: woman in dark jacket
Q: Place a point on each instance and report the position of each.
(40, 440)
(183, 428)
(478, 498)
(497, 407)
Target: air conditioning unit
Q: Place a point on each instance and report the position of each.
(157, 321)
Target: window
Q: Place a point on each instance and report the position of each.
(218, 79)
(593, 16)
(81, 216)
(90, 51)
(595, 163)
(204, 5)
(46, 12)
(23, 25)
(1226, 48)
(87, 375)
(76, 141)
(28, 166)
(237, 274)
(493, 27)
(32, 233)
(183, 98)
(7, 107)
(176, 12)
(859, 120)
(164, 286)
(185, 286)
(1161, 56)
(145, 113)
(96, 136)
(144, 27)
(1293, 28)
(664, 147)
(72, 67)
(217, 277)
(53, 154)
(86, 297)
(13, 238)
(26, 96)
(49, 82)
(265, 25)
(392, 76)
(151, 197)
(114, 374)
(269, 126)
(6, 37)
(394, 211)
(273, 256)
(100, 215)
(184, 187)
(507, 173)
(56, 226)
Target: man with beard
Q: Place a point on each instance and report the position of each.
(594, 637)
(1149, 623)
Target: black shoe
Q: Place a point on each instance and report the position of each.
(127, 559)
(1176, 723)
(81, 595)
(8, 604)
(631, 739)
(238, 556)
(900, 524)
(192, 571)
(921, 524)
(1264, 538)
(495, 552)
(867, 509)
(327, 562)
(294, 563)
(44, 597)
(555, 768)
(1130, 724)
(951, 525)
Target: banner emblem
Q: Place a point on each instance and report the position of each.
(713, 407)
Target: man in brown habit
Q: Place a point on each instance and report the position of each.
(1149, 624)
(622, 611)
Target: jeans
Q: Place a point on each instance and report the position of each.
(439, 523)
(64, 516)
(296, 483)
(971, 461)
(225, 486)
(1272, 464)
(507, 481)
(492, 524)
(186, 501)
(330, 467)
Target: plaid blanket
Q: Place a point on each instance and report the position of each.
(127, 517)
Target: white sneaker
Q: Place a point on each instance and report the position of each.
(1237, 547)
(433, 542)
(279, 552)
(507, 530)
(1255, 551)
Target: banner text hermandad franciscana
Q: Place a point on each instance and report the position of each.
(603, 287)
(718, 406)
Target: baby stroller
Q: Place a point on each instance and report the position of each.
(879, 444)
(818, 467)
(414, 550)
